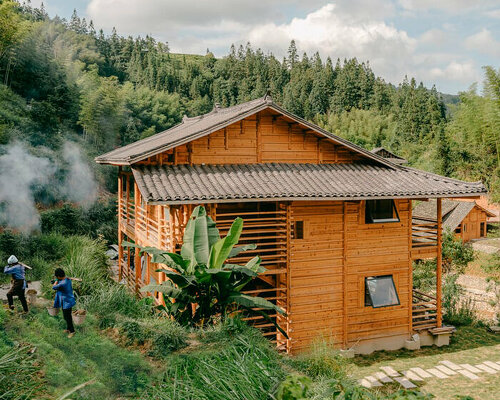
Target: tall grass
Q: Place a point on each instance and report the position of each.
(245, 367)
(18, 379)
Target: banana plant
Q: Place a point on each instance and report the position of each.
(201, 283)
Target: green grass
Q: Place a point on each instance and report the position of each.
(66, 363)
(470, 344)
(243, 367)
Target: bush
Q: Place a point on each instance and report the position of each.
(97, 221)
(322, 361)
(457, 310)
(456, 254)
(294, 387)
(162, 335)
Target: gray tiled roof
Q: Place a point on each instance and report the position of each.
(253, 182)
(453, 212)
(196, 127)
(389, 155)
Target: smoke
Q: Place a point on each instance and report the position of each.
(20, 174)
(24, 176)
(79, 185)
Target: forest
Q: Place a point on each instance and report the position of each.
(69, 92)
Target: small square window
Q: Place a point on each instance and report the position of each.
(379, 211)
(380, 291)
(298, 231)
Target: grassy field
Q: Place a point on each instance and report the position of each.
(471, 345)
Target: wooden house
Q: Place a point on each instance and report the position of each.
(467, 219)
(332, 221)
(389, 156)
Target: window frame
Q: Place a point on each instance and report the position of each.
(368, 294)
(369, 218)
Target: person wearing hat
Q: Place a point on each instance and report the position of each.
(65, 299)
(17, 271)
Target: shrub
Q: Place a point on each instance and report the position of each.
(456, 254)
(456, 309)
(294, 387)
(322, 361)
(424, 275)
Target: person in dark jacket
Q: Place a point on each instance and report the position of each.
(17, 271)
(65, 299)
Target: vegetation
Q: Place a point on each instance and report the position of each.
(201, 285)
(63, 80)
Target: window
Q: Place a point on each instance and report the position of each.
(380, 291)
(378, 211)
(298, 230)
(464, 228)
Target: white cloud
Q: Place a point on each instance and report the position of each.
(340, 35)
(483, 42)
(465, 72)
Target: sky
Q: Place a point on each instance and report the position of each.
(441, 42)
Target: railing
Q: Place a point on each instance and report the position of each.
(424, 234)
(268, 230)
(424, 311)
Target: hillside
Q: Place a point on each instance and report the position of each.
(68, 85)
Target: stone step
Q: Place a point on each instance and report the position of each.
(450, 365)
(468, 374)
(492, 365)
(487, 369)
(437, 373)
(446, 370)
(382, 377)
(412, 376)
(471, 368)
(390, 371)
(405, 382)
(421, 372)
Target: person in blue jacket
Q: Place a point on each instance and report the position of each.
(65, 299)
(18, 282)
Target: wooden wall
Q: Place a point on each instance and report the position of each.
(328, 267)
(260, 138)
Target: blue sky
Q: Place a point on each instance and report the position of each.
(441, 42)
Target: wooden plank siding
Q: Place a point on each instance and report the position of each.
(260, 138)
(475, 225)
(328, 269)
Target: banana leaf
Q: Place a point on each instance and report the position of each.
(239, 249)
(199, 236)
(253, 302)
(167, 290)
(221, 250)
(180, 280)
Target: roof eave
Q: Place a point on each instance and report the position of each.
(323, 198)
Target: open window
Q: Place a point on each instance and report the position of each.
(380, 291)
(298, 230)
(380, 211)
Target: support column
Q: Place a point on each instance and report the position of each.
(120, 233)
(439, 261)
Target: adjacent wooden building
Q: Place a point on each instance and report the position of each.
(467, 219)
(332, 221)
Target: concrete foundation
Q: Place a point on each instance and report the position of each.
(415, 342)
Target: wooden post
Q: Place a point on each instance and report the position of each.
(259, 140)
(344, 275)
(288, 273)
(138, 269)
(120, 233)
(439, 264)
(410, 267)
